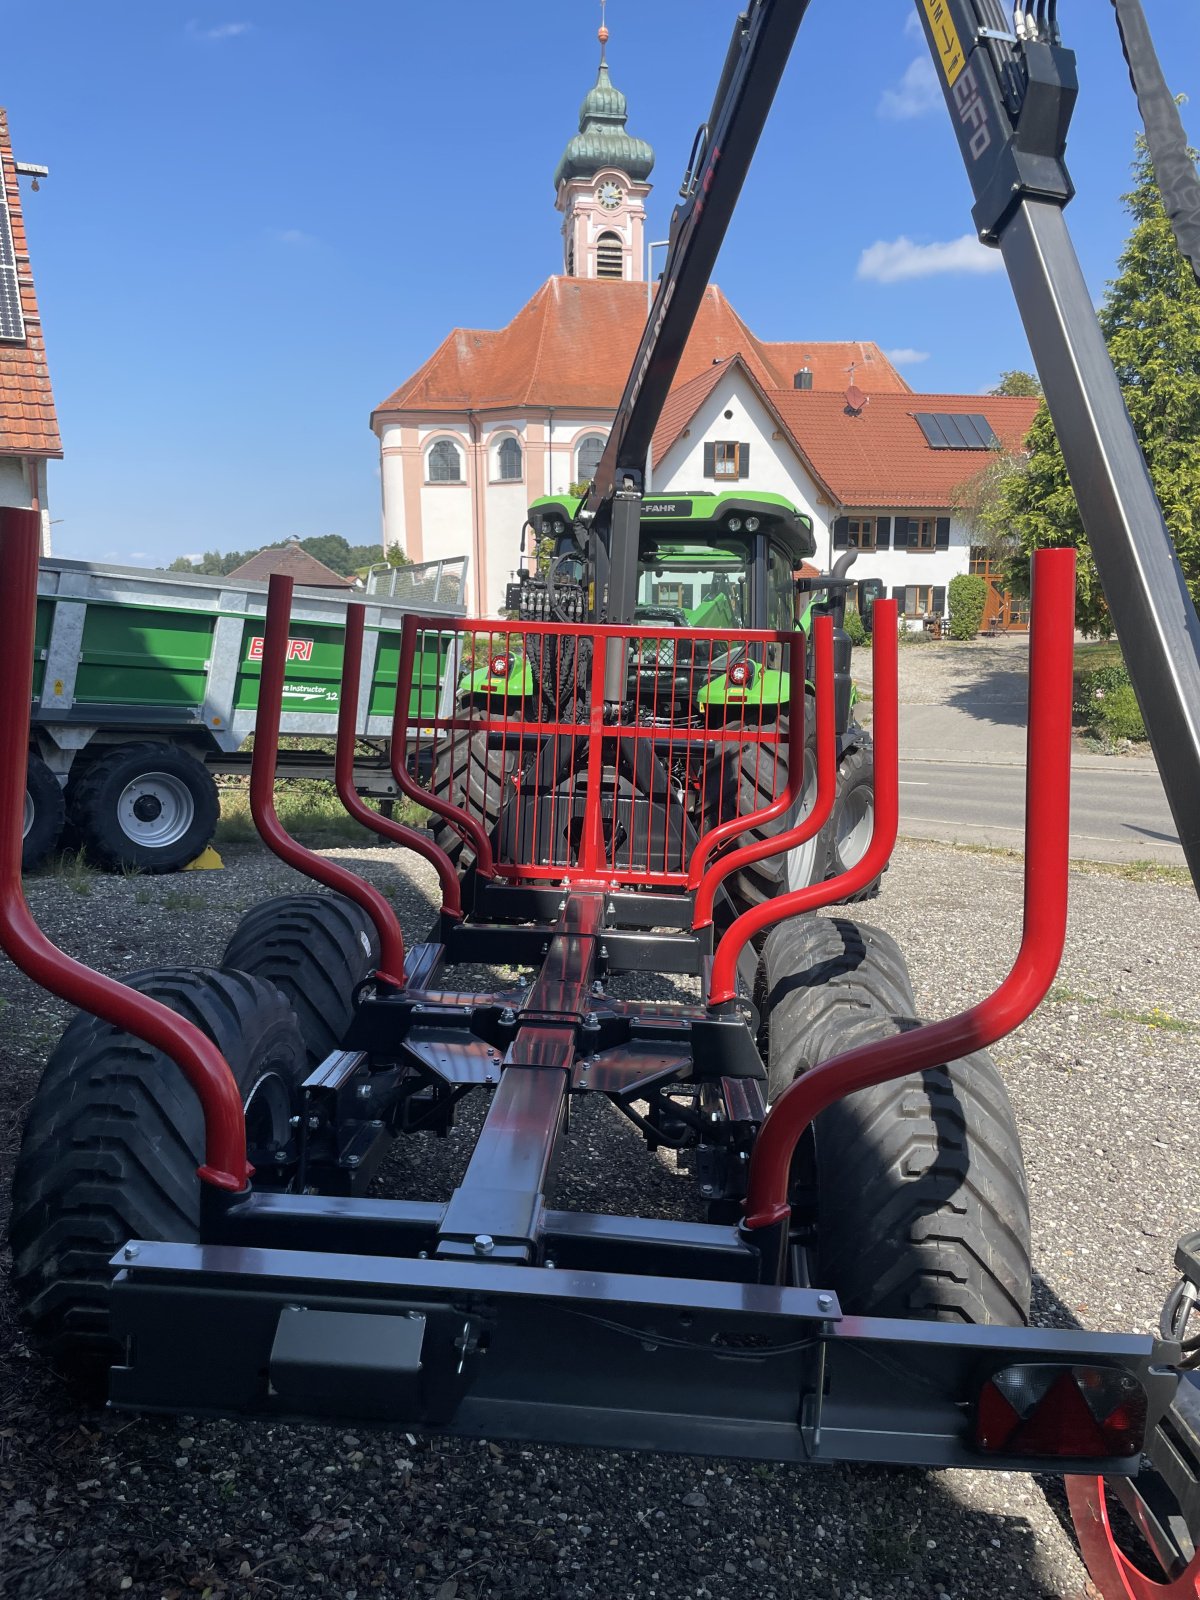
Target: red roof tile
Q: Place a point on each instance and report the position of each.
(879, 456)
(292, 562)
(28, 422)
(573, 343)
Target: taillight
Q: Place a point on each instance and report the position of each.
(741, 674)
(1056, 1411)
(500, 666)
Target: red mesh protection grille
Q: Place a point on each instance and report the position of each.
(565, 793)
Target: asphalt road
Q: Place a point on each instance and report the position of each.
(1118, 810)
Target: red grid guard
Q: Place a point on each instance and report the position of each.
(524, 750)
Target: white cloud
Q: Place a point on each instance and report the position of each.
(139, 555)
(912, 26)
(296, 237)
(222, 30)
(917, 92)
(906, 356)
(897, 260)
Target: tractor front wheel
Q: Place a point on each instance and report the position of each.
(112, 1140)
(922, 1208)
(853, 819)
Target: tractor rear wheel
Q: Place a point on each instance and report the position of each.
(316, 949)
(45, 813)
(853, 819)
(111, 1144)
(474, 777)
(921, 1199)
(760, 776)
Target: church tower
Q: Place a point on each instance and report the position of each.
(601, 187)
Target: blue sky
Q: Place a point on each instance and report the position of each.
(261, 217)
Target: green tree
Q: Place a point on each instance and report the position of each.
(1017, 382)
(1151, 323)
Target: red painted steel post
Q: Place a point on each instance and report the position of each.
(262, 792)
(732, 827)
(1047, 825)
(591, 847)
(466, 826)
(723, 987)
(201, 1063)
(803, 830)
(347, 733)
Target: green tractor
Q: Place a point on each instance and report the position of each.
(704, 561)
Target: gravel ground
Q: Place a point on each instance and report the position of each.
(1103, 1080)
(932, 674)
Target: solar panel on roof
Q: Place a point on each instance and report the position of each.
(957, 430)
(12, 323)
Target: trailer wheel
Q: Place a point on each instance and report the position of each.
(760, 776)
(921, 1202)
(45, 813)
(853, 819)
(111, 1144)
(316, 949)
(473, 777)
(152, 807)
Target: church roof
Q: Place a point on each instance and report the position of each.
(573, 343)
(28, 422)
(602, 140)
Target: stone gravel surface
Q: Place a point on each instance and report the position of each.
(1104, 1083)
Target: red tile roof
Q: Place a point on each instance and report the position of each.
(292, 562)
(573, 343)
(879, 456)
(28, 423)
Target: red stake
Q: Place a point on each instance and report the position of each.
(193, 1052)
(262, 792)
(1047, 825)
(411, 838)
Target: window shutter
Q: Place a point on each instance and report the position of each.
(710, 460)
(743, 461)
(939, 600)
(901, 533)
(883, 532)
(898, 594)
(841, 534)
(942, 534)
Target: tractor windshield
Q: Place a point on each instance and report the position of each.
(695, 585)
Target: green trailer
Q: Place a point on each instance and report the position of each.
(146, 687)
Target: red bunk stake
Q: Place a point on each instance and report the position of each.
(411, 838)
(262, 792)
(465, 826)
(1047, 822)
(826, 780)
(723, 987)
(201, 1063)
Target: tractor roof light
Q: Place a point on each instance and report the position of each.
(734, 524)
(1061, 1412)
(752, 524)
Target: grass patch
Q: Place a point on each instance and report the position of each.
(1064, 994)
(1156, 1017)
(178, 900)
(73, 869)
(310, 810)
(1095, 653)
(1131, 871)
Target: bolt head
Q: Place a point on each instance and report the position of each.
(825, 1301)
(484, 1244)
(313, 1124)
(364, 1091)
(508, 1016)
(353, 1161)
(130, 1251)
(293, 1122)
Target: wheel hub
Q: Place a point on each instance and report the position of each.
(156, 810)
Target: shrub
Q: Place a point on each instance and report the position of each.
(854, 627)
(968, 596)
(1120, 714)
(1105, 701)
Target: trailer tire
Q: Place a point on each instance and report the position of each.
(111, 1144)
(146, 807)
(760, 776)
(45, 813)
(922, 1209)
(316, 949)
(853, 819)
(473, 777)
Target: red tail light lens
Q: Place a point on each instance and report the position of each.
(500, 666)
(741, 674)
(1061, 1412)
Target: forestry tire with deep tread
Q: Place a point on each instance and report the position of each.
(143, 807)
(316, 949)
(45, 813)
(473, 777)
(112, 1140)
(922, 1204)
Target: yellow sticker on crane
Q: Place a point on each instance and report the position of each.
(945, 36)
